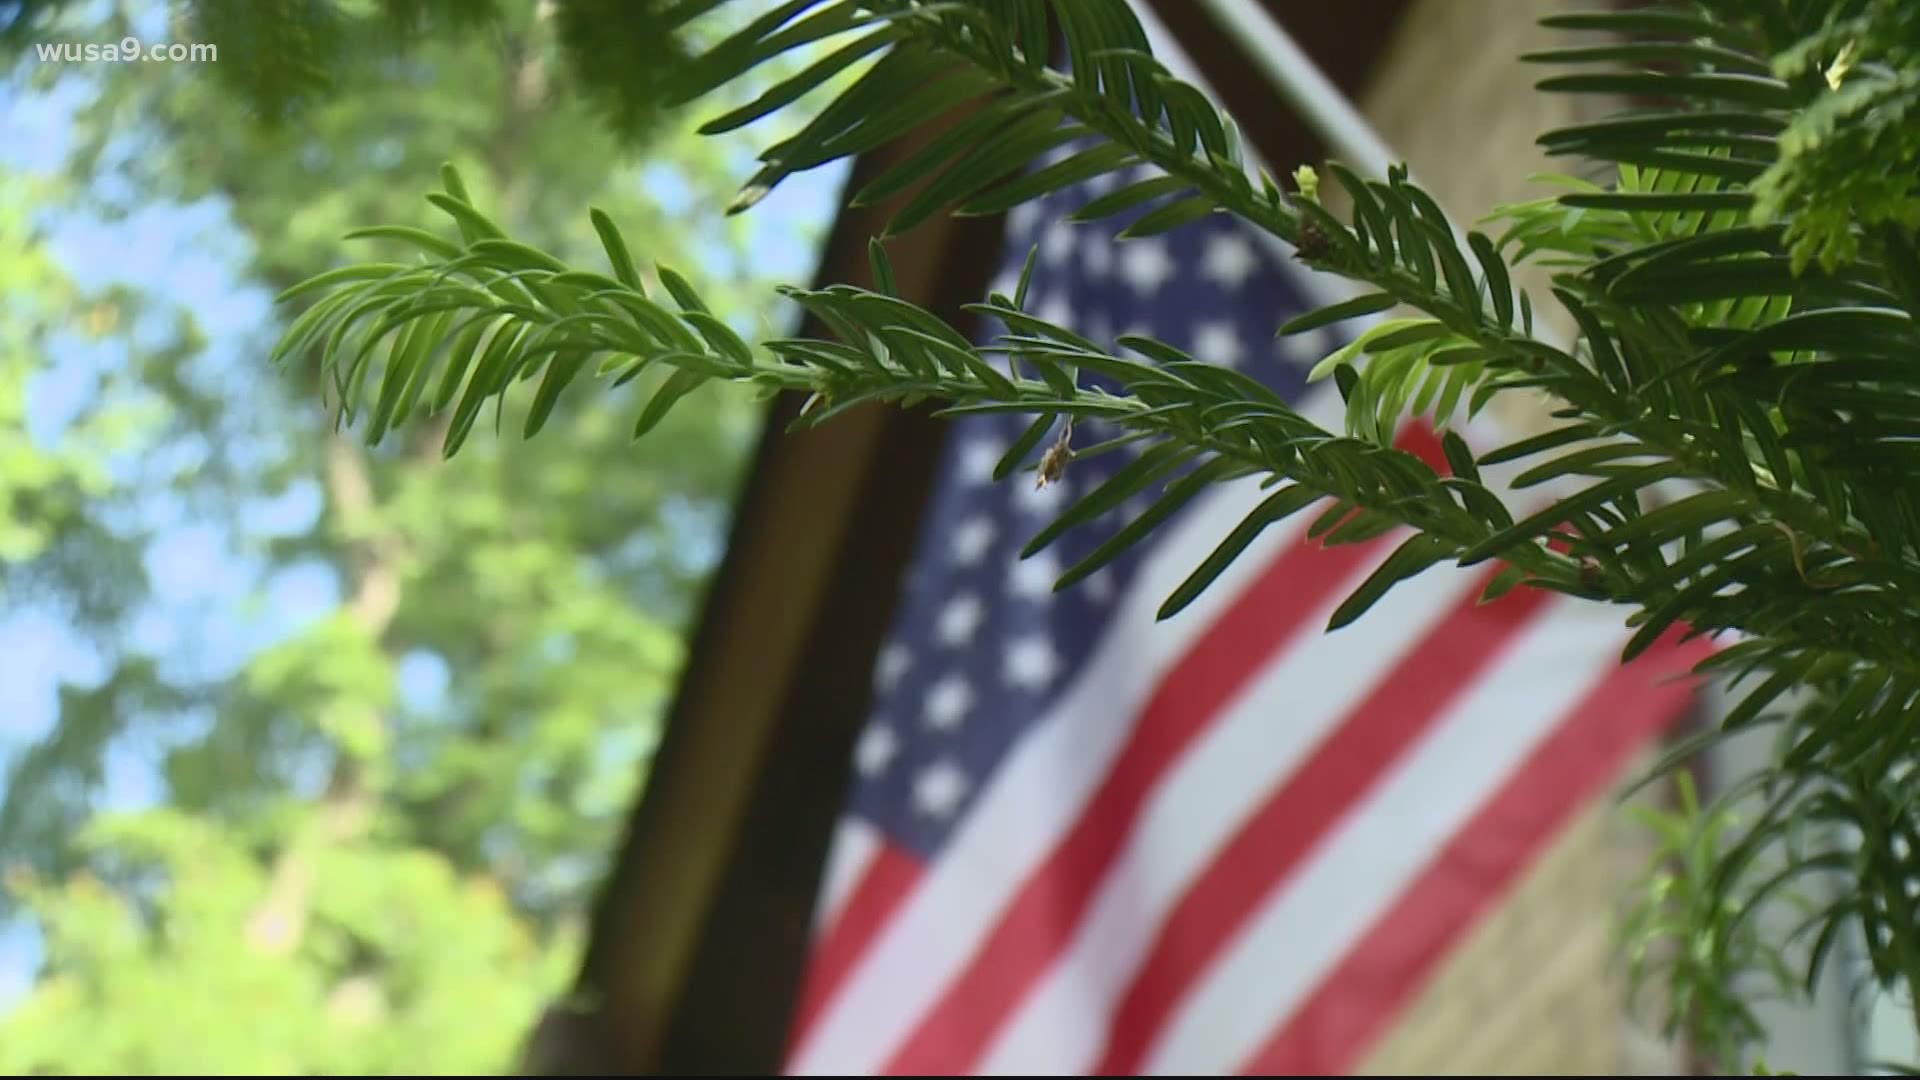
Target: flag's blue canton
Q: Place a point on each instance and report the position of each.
(982, 646)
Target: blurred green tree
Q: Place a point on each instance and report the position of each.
(43, 482)
(342, 876)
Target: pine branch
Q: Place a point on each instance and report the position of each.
(1712, 350)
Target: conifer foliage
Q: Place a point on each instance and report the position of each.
(285, 58)
(1745, 282)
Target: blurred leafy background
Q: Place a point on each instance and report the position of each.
(314, 754)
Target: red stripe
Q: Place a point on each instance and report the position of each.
(1041, 919)
(1342, 1020)
(1304, 807)
(889, 877)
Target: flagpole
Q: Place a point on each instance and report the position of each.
(1341, 127)
(1304, 86)
(1298, 81)
(1292, 73)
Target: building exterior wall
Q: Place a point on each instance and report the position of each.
(1538, 986)
(1535, 987)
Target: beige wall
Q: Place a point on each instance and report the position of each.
(1535, 987)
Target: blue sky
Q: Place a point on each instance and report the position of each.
(206, 614)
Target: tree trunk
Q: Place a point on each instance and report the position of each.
(373, 576)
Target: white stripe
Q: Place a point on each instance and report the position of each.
(1248, 752)
(855, 843)
(1368, 861)
(1038, 792)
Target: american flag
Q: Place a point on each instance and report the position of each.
(1082, 841)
